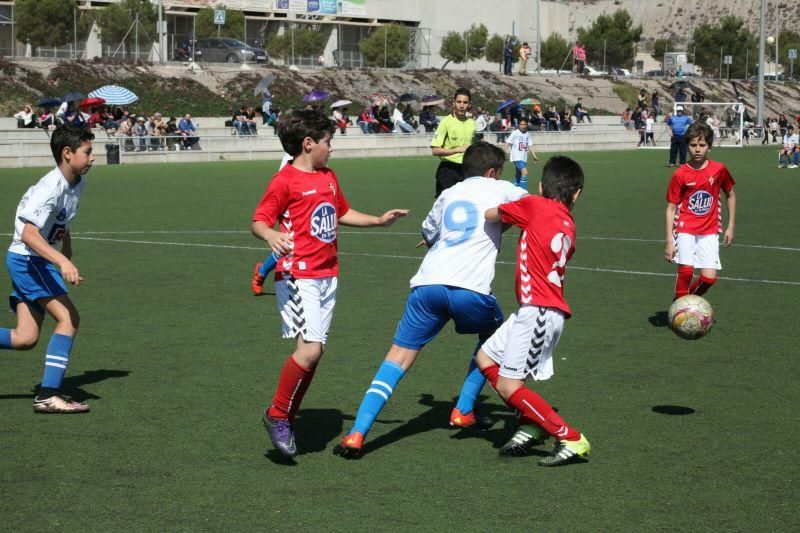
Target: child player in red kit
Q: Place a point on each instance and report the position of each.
(523, 346)
(694, 214)
(305, 200)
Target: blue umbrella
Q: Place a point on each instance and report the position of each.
(115, 95)
(48, 102)
(73, 97)
(504, 104)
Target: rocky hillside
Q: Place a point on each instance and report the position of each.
(665, 19)
(174, 90)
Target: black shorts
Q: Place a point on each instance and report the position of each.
(447, 175)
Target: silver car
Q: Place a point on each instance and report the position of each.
(226, 50)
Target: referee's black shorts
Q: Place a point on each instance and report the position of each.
(447, 175)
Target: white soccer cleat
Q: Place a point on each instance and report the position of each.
(58, 405)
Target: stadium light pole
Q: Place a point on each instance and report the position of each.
(761, 51)
(538, 35)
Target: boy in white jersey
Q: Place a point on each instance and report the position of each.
(789, 155)
(518, 144)
(41, 227)
(453, 282)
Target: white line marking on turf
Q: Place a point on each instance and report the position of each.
(396, 233)
(419, 258)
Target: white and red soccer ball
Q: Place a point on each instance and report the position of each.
(690, 316)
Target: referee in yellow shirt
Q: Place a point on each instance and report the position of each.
(454, 134)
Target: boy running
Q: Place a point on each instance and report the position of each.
(694, 214)
(523, 346)
(41, 227)
(453, 282)
(518, 144)
(304, 198)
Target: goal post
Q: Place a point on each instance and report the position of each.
(726, 119)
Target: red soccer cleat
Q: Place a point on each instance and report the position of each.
(258, 281)
(350, 447)
(470, 420)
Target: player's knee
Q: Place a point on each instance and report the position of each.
(25, 340)
(507, 387)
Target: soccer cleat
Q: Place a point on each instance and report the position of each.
(350, 447)
(281, 434)
(57, 404)
(522, 441)
(258, 281)
(567, 451)
(471, 420)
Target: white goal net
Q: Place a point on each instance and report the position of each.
(726, 119)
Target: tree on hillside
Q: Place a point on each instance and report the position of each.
(306, 43)
(233, 27)
(494, 49)
(554, 50)
(388, 44)
(661, 47)
(116, 19)
(617, 33)
(49, 22)
(788, 39)
(466, 46)
(728, 37)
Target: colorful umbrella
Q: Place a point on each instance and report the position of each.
(317, 95)
(530, 101)
(504, 104)
(92, 102)
(48, 102)
(115, 95)
(341, 103)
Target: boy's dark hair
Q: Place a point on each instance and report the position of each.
(298, 124)
(561, 178)
(699, 130)
(68, 135)
(463, 91)
(482, 156)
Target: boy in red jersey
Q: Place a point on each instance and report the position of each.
(524, 344)
(694, 214)
(305, 200)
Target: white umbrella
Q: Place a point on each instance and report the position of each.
(341, 103)
(115, 95)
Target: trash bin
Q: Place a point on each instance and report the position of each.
(112, 154)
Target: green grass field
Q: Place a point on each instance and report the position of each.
(177, 360)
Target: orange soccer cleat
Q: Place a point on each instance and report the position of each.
(258, 281)
(471, 420)
(350, 447)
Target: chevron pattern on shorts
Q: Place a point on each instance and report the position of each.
(294, 307)
(537, 342)
(524, 276)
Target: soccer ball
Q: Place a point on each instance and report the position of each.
(690, 316)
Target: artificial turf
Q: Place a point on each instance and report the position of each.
(177, 360)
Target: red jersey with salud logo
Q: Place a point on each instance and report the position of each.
(696, 193)
(545, 245)
(308, 206)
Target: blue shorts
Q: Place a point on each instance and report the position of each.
(33, 278)
(429, 307)
(520, 164)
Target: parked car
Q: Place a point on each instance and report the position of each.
(657, 72)
(619, 71)
(226, 50)
(588, 70)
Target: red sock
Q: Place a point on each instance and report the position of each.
(292, 386)
(490, 373)
(685, 273)
(701, 285)
(534, 407)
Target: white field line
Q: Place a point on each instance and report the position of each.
(398, 233)
(418, 258)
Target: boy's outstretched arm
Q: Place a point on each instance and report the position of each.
(362, 220)
(669, 249)
(727, 239)
(34, 240)
(492, 215)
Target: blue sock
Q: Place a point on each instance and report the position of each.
(386, 379)
(523, 182)
(55, 363)
(471, 388)
(5, 339)
(269, 264)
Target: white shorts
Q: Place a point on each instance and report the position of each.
(306, 307)
(699, 251)
(525, 343)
